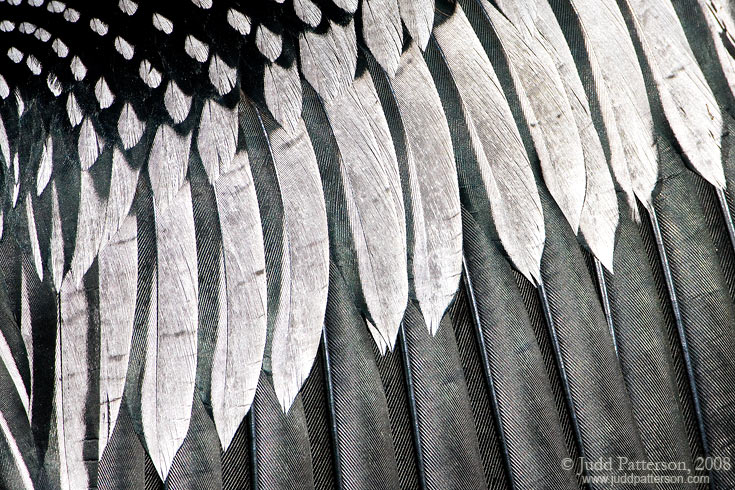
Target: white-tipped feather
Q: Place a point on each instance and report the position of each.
(33, 237)
(688, 101)
(4, 144)
(129, 127)
(349, 6)
(329, 60)
(222, 76)
(171, 348)
(89, 145)
(308, 12)
(615, 66)
(7, 361)
(177, 102)
(45, 167)
(501, 157)
(217, 139)
(56, 242)
(372, 189)
(537, 25)
(282, 90)
(437, 217)
(269, 43)
(548, 113)
(305, 262)
(383, 32)
(100, 218)
(168, 164)
(241, 331)
(118, 281)
(16, 455)
(418, 16)
(72, 383)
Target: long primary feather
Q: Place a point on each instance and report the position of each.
(374, 201)
(621, 90)
(548, 112)
(75, 330)
(687, 100)
(305, 262)
(171, 346)
(241, 332)
(501, 158)
(118, 281)
(383, 32)
(435, 204)
(538, 26)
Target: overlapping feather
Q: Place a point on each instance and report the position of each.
(501, 157)
(375, 208)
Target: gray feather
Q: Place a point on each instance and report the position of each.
(118, 281)
(217, 139)
(375, 208)
(688, 101)
(615, 67)
(241, 331)
(329, 60)
(502, 160)
(171, 349)
(305, 263)
(549, 115)
(418, 16)
(282, 90)
(599, 217)
(383, 32)
(437, 218)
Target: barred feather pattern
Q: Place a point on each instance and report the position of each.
(278, 244)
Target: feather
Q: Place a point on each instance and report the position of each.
(129, 127)
(418, 16)
(100, 216)
(688, 102)
(349, 6)
(33, 236)
(359, 409)
(503, 163)
(581, 338)
(269, 43)
(537, 25)
(177, 103)
(434, 191)
(56, 241)
(281, 442)
(643, 349)
(241, 332)
(168, 377)
(369, 168)
(450, 454)
(24, 475)
(702, 307)
(548, 113)
(308, 12)
(383, 32)
(305, 262)
(617, 74)
(282, 91)
(217, 139)
(75, 330)
(4, 143)
(90, 145)
(118, 278)
(329, 60)
(513, 365)
(167, 164)
(45, 166)
(222, 76)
